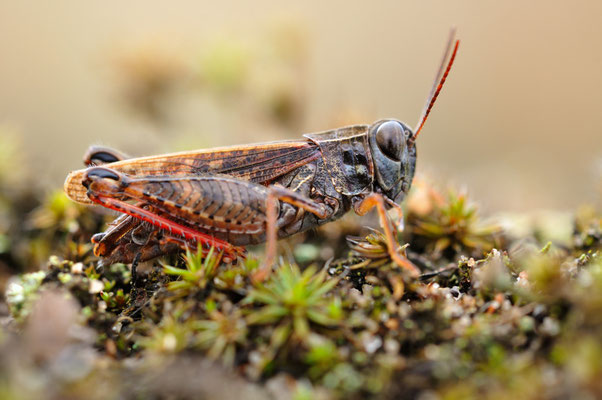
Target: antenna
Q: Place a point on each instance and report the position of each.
(439, 80)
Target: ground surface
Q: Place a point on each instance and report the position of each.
(497, 313)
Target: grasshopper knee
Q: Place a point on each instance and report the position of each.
(101, 173)
(105, 182)
(97, 238)
(98, 155)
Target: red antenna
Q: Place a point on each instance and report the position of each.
(439, 80)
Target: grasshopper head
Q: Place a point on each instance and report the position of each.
(393, 143)
(394, 157)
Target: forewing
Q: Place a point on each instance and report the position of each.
(259, 163)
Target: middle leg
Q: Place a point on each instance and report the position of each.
(276, 195)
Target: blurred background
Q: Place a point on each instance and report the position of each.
(518, 123)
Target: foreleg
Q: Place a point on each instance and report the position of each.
(376, 200)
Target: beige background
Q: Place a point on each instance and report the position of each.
(519, 122)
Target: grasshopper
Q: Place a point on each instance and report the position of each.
(230, 197)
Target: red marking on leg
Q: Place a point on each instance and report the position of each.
(163, 223)
(227, 258)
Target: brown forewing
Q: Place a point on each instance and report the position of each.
(260, 163)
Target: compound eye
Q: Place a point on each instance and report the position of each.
(390, 139)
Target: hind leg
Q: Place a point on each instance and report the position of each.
(100, 155)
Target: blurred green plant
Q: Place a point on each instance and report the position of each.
(148, 77)
(236, 277)
(173, 334)
(21, 293)
(220, 334)
(199, 271)
(448, 226)
(373, 249)
(61, 224)
(262, 80)
(115, 300)
(224, 66)
(293, 300)
(587, 234)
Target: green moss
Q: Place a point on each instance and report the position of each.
(21, 293)
(479, 323)
(293, 299)
(199, 271)
(450, 226)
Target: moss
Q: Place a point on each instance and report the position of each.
(502, 322)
